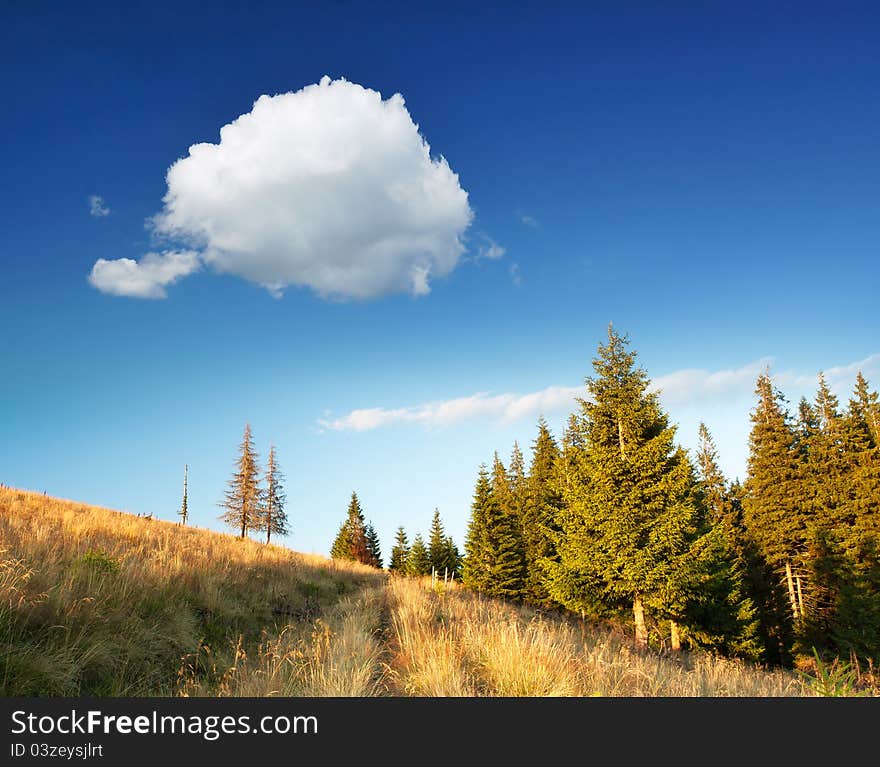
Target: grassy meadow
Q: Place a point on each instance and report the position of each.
(98, 602)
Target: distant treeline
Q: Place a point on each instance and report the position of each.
(618, 521)
(357, 541)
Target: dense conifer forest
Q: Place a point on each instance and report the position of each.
(616, 521)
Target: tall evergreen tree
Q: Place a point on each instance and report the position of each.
(504, 551)
(712, 482)
(184, 506)
(399, 553)
(453, 558)
(863, 470)
(632, 534)
(242, 501)
(274, 516)
(351, 541)
(778, 508)
(541, 505)
(437, 543)
(442, 552)
(374, 552)
(722, 610)
(773, 511)
(474, 569)
(826, 474)
(419, 563)
(516, 480)
(866, 407)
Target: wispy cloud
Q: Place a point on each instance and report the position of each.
(515, 274)
(840, 375)
(679, 389)
(97, 207)
(490, 249)
(528, 220)
(688, 386)
(502, 407)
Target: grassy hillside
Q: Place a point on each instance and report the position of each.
(96, 602)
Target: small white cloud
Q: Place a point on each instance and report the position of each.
(97, 208)
(528, 220)
(515, 274)
(490, 249)
(503, 407)
(690, 385)
(838, 376)
(146, 278)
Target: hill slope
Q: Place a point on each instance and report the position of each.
(97, 602)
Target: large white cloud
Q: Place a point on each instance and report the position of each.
(330, 188)
(146, 278)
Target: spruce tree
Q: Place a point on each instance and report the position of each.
(351, 540)
(441, 550)
(712, 482)
(516, 476)
(503, 551)
(866, 407)
(631, 535)
(722, 612)
(399, 553)
(826, 475)
(541, 505)
(419, 563)
(773, 511)
(242, 501)
(862, 453)
(374, 553)
(453, 558)
(474, 568)
(274, 516)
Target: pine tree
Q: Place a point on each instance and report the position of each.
(862, 452)
(399, 553)
(541, 505)
(274, 516)
(351, 541)
(866, 407)
(184, 506)
(722, 612)
(474, 569)
(242, 501)
(516, 475)
(419, 562)
(772, 509)
(453, 558)
(712, 483)
(442, 552)
(503, 551)
(631, 534)
(374, 553)
(826, 473)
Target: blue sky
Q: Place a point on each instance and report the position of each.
(704, 178)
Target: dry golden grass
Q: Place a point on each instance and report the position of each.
(98, 602)
(451, 642)
(94, 601)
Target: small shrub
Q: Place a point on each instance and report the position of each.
(99, 560)
(836, 680)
